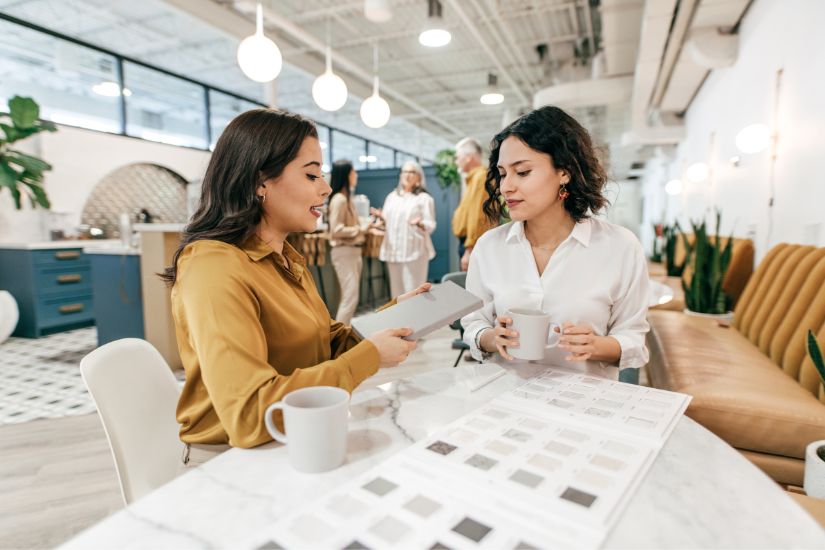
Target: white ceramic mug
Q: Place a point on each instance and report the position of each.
(535, 333)
(315, 421)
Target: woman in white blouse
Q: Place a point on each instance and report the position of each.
(409, 218)
(587, 274)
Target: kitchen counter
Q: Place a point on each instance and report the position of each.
(159, 227)
(52, 245)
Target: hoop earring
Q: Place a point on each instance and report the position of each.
(563, 193)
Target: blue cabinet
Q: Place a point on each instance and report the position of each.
(118, 302)
(53, 289)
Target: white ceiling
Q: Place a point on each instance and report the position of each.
(433, 93)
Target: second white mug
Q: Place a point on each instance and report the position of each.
(536, 333)
(315, 421)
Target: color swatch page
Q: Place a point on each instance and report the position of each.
(580, 473)
(401, 504)
(616, 407)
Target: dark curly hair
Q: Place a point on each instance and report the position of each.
(551, 131)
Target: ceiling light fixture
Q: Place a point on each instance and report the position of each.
(375, 111)
(377, 11)
(493, 95)
(108, 88)
(258, 56)
(329, 90)
(673, 187)
(434, 34)
(698, 172)
(754, 138)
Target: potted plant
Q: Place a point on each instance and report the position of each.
(446, 169)
(707, 265)
(671, 235)
(814, 483)
(21, 173)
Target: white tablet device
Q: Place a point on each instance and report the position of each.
(424, 313)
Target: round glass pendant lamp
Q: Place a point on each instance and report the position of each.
(258, 56)
(329, 90)
(375, 111)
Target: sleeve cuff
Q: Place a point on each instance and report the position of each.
(633, 355)
(362, 361)
(470, 340)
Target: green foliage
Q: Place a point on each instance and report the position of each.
(816, 355)
(671, 233)
(22, 174)
(709, 263)
(446, 169)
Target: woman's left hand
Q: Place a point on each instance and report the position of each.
(579, 340)
(420, 290)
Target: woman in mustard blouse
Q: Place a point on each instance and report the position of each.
(250, 324)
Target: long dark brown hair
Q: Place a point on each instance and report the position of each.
(552, 131)
(339, 179)
(256, 146)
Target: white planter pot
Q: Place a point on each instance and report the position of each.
(9, 315)
(718, 316)
(814, 483)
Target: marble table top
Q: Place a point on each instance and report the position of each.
(699, 493)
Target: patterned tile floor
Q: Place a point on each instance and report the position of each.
(40, 378)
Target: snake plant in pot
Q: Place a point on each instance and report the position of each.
(21, 173)
(707, 265)
(815, 453)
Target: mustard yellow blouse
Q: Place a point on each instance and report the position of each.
(251, 327)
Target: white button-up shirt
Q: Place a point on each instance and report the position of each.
(597, 276)
(404, 242)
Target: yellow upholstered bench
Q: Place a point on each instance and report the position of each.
(752, 383)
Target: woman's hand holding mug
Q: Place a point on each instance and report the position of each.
(500, 338)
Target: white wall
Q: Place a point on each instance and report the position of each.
(80, 159)
(773, 35)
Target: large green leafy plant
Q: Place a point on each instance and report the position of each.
(671, 234)
(446, 169)
(709, 262)
(22, 174)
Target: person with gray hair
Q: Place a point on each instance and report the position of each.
(469, 221)
(409, 218)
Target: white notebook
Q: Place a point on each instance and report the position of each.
(424, 313)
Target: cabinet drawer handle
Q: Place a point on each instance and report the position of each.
(67, 255)
(66, 279)
(71, 308)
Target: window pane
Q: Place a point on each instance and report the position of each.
(384, 156)
(163, 108)
(72, 84)
(323, 137)
(351, 148)
(222, 109)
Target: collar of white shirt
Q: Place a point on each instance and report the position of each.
(581, 232)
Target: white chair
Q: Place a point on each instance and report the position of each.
(136, 395)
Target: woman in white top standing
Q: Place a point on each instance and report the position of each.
(587, 274)
(409, 218)
(346, 237)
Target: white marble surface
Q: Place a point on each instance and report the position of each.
(117, 248)
(700, 492)
(159, 227)
(54, 245)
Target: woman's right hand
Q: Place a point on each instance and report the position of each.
(391, 347)
(500, 338)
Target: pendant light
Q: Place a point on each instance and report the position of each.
(434, 34)
(493, 95)
(377, 11)
(329, 90)
(258, 56)
(375, 112)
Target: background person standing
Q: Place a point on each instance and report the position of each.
(469, 221)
